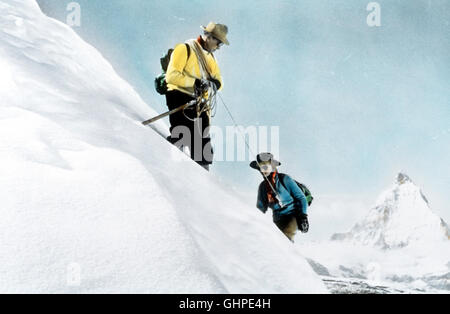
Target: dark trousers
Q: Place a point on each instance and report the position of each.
(189, 131)
(286, 224)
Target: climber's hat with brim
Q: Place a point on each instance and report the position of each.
(263, 158)
(218, 31)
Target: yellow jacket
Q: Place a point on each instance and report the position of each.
(182, 72)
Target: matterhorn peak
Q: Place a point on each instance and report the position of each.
(400, 217)
(402, 178)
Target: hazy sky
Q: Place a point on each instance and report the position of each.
(355, 104)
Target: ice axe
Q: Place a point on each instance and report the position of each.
(168, 113)
(199, 99)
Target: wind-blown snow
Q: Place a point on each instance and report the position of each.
(85, 187)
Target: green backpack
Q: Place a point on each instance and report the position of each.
(305, 190)
(160, 81)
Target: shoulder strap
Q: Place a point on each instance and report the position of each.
(165, 60)
(188, 48)
(281, 177)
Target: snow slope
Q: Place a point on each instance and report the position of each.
(92, 201)
(421, 268)
(401, 217)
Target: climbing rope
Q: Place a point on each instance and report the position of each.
(250, 150)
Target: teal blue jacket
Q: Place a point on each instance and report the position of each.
(292, 197)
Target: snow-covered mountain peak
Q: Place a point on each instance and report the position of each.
(400, 217)
(402, 178)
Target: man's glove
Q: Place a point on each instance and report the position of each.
(303, 224)
(200, 86)
(216, 83)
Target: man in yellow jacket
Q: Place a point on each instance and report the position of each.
(193, 71)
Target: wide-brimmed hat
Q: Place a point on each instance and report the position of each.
(218, 31)
(264, 157)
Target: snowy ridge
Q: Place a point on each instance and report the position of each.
(92, 201)
(400, 217)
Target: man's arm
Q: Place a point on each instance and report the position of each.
(216, 73)
(261, 203)
(175, 71)
(296, 193)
